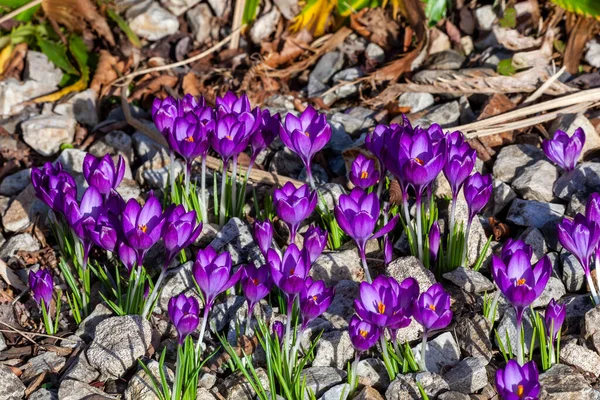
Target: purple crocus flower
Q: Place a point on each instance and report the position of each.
(460, 161)
(179, 231)
(270, 127)
(212, 273)
(52, 185)
(386, 303)
(363, 173)
(554, 317)
(363, 334)
(127, 255)
(315, 299)
(231, 104)
(376, 141)
(592, 208)
(41, 285)
(164, 113)
(191, 133)
(357, 215)
(306, 135)
(580, 237)
(294, 205)
(277, 329)
(434, 241)
(263, 235)
(518, 281)
(142, 226)
(432, 310)
(478, 190)
(256, 284)
(388, 250)
(511, 246)
(102, 172)
(290, 271)
(315, 240)
(82, 217)
(564, 150)
(518, 383)
(232, 134)
(106, 230)
(183, 312)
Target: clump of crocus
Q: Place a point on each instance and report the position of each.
(183, 313)
(433, 312)
(357, 215)
(554, 318)
(363, 173)
(315, 240)
(521, 284)
(52, 185)
(102, 172)
(212, 273)
(256, 284)
(294, 205)
(42, 287)
(306, 136)
(478, 190)
(581, 237)
(516, 382)
(563, 150)
(179, 231)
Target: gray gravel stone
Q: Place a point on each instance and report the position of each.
(473, 336)
(508, 325)
(536, 182)
(342, 307)
(485, 17)
(415, 101)
(321, 379)
(114, 143)
(44, 394)
(503, 194)
(372, 372)
(446, 115)
(3, 345)
(15, 183)
(442, 352)
(573, 276)
(87, 328)
(584, 178)
(46, 133)
(178, 7)
(468, 376)
(334, 349)
(177, 281)
(118, 343)
(326, 67)
(569, 123)
(12, 388)
(141, 385)
(581, 358)
(236, 238)
(74, 390)
(469, 280)
(534, 213)
(562, 382)
(154, 23)
(535, 239)
(513, 160)
(335, 266)
(554, 290)
(155, 171)
(405, 386)
(200, 19)
(22, 241)
(375, 53)
(338, 392)
(45, 362)
(81, 106)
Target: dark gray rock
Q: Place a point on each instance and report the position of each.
(372, 372)
(321, 379)
(334, 349)
(536, 182)
(502, 196)
(468, 376)
(514, 160)
(573, 276)
(534, 213)
(11, 388)
(473, 336)
(236, 238)
(469, 280)
(442, 352)
(563, 382)
(584, 178)
(405, 386)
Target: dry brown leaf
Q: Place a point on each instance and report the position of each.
(278, 53)
(150, 86)
(10, 277)
(74, 13)
(376, 26)
(106, 71)
(578, 37)
(191, 84)
(16, 62)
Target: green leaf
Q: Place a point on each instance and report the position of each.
(588, 8)
(250, 11)
(57, 53)
(506, 68)
(79, 51)
(24, 16)
(559, 46)
(510, 18)
(347, 7)
(124, 26)
(435, 10)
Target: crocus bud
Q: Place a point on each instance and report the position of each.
(102, 172)
(294, 205)
(212, 273)
(363, 173)
(263, 234)
(363, 335)
(41, 285)
(434, 241)
(518, 382)
(278, 330)
(563, 150)
(314, 300)
(183, 312)
(315, 240)
(554, 317)
(478, 190)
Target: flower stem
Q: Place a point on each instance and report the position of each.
(520, 355)
(405, 206)
(492, 309)
(353, 374)
(179, 369)
(422, 363)
(223, 187)
(288, 327)
(451, 231)
(250, 310)
(363, 258)
(463, 258)
(419, 228)
(172, 173)
(381, 182)
(188, 172)
(202, 330)
(593, 291)
(597, 263)
(552, 352)
(154, 293)
(386, 357)
(234, 186)
(203, 196)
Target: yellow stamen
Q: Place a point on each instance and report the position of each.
(419, 161)
(306, 134)
(363, 333)
(143, 228)
(364, 175)
(381, 307)
(315, 298)
(432, 307)
(228, 137)
(521, 282)
(255, 281)
(189, 139)
(292, 271)
(520, 391)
